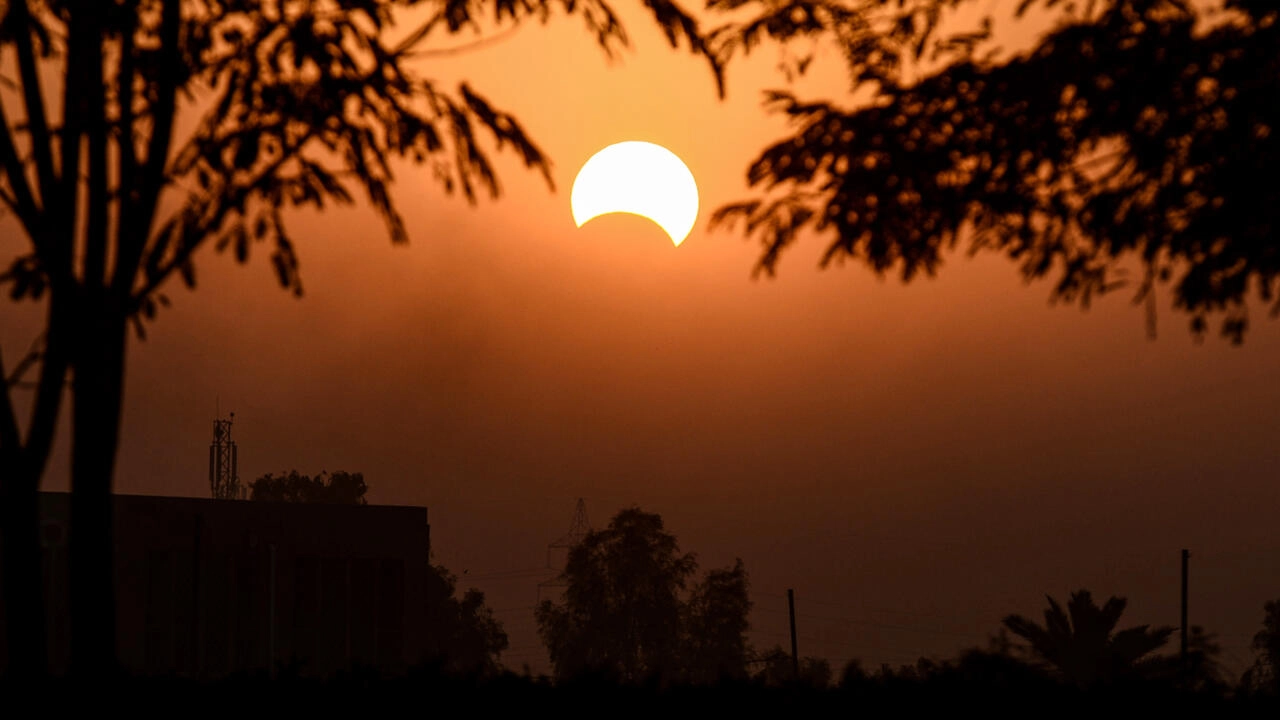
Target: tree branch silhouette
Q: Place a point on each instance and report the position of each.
(464, 48)
(1123, 138)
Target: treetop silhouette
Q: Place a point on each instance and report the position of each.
(339, 488)
(629, 614)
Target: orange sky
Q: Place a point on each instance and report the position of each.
(953, 449)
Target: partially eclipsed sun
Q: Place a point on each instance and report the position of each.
(638, 178)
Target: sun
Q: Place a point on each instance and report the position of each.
(640, 178)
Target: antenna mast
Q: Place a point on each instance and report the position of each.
(224, 480)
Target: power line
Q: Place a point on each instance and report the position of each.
(849, 645)
(507, 573)
(886, 626)
(866, 608)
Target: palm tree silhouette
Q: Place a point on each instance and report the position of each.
(1082, 644)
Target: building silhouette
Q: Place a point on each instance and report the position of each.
(207, 587)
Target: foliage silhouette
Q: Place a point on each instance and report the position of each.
(1204, 671)
(715, 625)
(777, 670)
(1264, 675)
(1082, 646)
(1132, 138)
(295, 104)
(625, 617)
(340, 488)
(463, 637)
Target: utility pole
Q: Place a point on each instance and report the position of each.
(1186, 554)
(271, 611)
(791, 609)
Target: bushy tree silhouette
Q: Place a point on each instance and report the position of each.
(292, 104)
(340, 488)
(1263, 677)
(1124, 148)
(1203, 671)
(1082, 646)
(625, 616)
(463, 637)
(715, 627)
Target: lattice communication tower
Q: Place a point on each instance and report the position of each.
(224, 481)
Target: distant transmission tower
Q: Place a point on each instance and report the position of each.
(224, 481)
(579, 526)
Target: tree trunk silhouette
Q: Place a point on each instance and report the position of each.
(23, 579)
(96, 405)
(21, 466)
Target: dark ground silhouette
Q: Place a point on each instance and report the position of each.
(975, 685)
